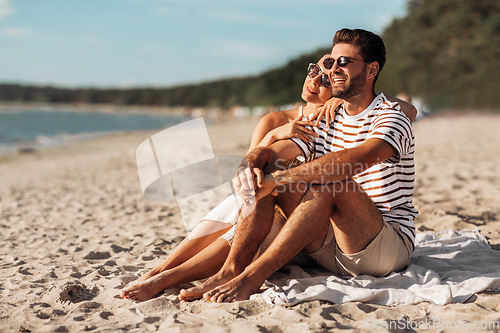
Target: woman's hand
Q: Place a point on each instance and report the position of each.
(327, 110)
(294, 129)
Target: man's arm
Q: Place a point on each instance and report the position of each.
(335, 166)
(268, 158)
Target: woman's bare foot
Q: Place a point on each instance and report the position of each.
(204, 235)
(238, 289)
(197, 292)
(143, 278)
(148, 275)
(144, 290)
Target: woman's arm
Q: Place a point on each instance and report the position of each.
(278, 126)
(327, 110)
(269, 122)
(409, 110)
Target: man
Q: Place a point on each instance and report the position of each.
(350, 208)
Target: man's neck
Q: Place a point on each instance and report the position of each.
(357, 104)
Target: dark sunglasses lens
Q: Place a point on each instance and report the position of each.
(325, 81)
(313, 70)
(342, 61)
(328, 63)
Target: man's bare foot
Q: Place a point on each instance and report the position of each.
(144, 290)
(238, 289)
(197, 292)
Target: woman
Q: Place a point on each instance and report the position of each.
(203, 252)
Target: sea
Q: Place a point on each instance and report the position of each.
(30, 130)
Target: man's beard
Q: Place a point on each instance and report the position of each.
(356, 86)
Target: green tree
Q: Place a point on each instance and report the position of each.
(446, 51)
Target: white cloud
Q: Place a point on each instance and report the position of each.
(329, 2)
(15, 31)
(6, 8)
(252, 17)
(169, 1)
(93, 40)
(128, 82)
(167, 11)
(236, 48)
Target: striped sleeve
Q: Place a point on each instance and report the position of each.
(394, 128)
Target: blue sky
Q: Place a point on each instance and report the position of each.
(124, 43)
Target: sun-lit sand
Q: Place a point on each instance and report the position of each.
(75, 228)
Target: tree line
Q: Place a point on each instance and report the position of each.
(274, 87)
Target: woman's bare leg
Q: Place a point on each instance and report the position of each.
(205, 233)
(202, 265)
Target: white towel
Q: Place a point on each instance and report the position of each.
(446, 267)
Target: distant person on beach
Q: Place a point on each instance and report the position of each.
(350, 209)
(206, 248)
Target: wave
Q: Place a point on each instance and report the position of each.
(29, 130)
(44, 141)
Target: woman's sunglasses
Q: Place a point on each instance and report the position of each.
(313, 70)
(342, 61)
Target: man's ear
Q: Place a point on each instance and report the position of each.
(373, 69)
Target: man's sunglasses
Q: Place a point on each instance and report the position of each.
(313, 70)
(342, 61)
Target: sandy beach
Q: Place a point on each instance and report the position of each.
(75, 228)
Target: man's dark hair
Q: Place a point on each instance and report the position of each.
(370, 45)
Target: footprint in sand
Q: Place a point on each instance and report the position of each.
(96, 255)
(72, 292)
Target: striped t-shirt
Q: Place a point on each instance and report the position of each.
(390, 183)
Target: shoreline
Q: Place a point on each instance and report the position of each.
(84, 107)
(213, 113)
(44, 141)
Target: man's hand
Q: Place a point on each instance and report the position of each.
(244, 184)
(266, 184)
(244, 181)
(251, 185)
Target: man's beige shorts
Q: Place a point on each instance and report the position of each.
(390, 251)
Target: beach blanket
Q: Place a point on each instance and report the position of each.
(446, 267)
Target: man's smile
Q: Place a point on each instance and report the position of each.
(339, 80)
